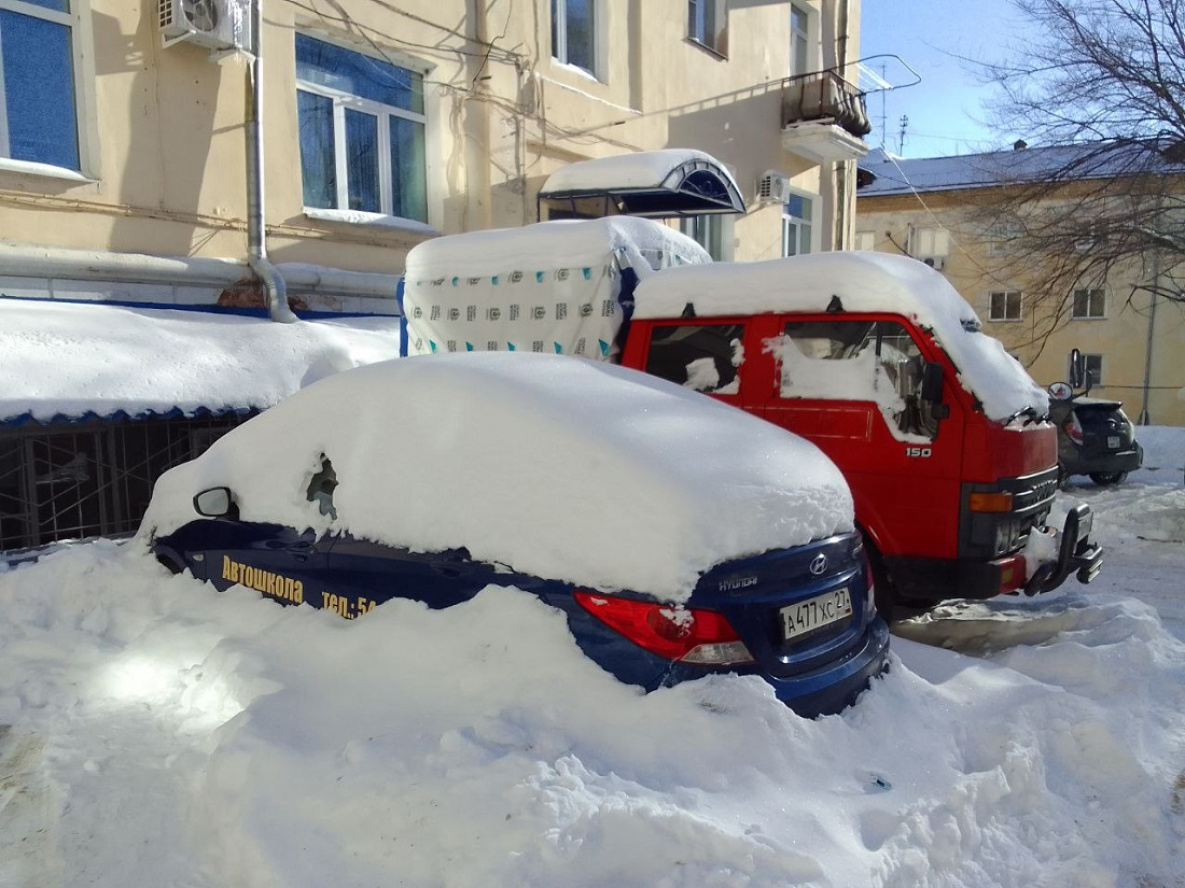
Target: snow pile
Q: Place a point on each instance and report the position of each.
(172, 735)
(73, 359)
(558, 467)
(863, 282)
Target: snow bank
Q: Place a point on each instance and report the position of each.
(176, 736)
(558, 467)
(864, 282)
(72, 359)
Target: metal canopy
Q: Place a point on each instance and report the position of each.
(653, 184)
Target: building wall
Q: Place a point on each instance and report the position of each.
(163, 168)
(1121, 336)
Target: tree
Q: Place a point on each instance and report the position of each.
(1101, 83)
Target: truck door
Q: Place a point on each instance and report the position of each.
(702, 355)
(853, 386)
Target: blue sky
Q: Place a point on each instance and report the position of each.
(945, 110)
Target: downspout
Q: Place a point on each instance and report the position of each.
(268, 274)
(843, 168)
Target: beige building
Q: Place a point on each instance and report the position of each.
(125, 132)
(1134, 345)
(148, 159)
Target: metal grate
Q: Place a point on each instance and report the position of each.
(95, 479)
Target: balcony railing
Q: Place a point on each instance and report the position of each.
(825, 97)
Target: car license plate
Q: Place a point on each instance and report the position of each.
(822, 610)
(1112, 442)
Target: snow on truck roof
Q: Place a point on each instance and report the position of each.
(547, 245)
(863, 282)
(558, 467)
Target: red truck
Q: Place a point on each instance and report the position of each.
(943, 437)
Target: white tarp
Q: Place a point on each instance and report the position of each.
(553, 287)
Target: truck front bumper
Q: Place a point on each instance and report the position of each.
(1076, 554)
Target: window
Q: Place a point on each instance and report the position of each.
(857, 360)
(1092, 365)
(38, 59)
(706, 23)
(865, 241)
(574, 33)
(1004, 237)
(1089, 304)
(703, 357)
(799, 41)
(797, 215)
(710, 231)
(925, 243)
(362, 130)
(1005, 305)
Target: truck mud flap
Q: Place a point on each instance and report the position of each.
(1076, 555)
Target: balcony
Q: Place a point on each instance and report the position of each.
(824, 118)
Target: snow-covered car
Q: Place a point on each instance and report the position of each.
(680, 536)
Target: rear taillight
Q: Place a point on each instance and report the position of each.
(1073, 428)
(689, 635)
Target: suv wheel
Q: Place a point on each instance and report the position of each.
(1105, 479)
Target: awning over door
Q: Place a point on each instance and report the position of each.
(656, 184)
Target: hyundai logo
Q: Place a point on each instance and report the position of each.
(819, 564)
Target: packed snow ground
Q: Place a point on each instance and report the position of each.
(160, 733)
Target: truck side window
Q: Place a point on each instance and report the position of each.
(858, 361)
(704, 357)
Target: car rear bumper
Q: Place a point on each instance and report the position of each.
(1116, 461)
(835, 686)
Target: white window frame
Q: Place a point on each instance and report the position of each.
(724, 229)
(559, 52)
(930, 241)
(343, 100)
(697, 24)
(86, 127)
(1097, 360)
(803, 62)
(1089, 316)
(1003, 237)
(790, 222)
(1005, 294)
(865, 242)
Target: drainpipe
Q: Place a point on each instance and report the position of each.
(268, 274)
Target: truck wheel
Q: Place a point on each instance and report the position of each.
(1106, 479)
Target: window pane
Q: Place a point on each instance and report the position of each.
(357, 74)
(701, 357)
(362, 161)
(316, 150)
(408, 170)
(693, 22)
(580, 33)
(39, 90)
(55, 5)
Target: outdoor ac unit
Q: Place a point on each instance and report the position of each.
(936, 262)
(773, 188)
(215, 24)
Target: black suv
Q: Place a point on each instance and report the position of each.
(1095, 438)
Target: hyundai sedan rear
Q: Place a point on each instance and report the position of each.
(680, 536)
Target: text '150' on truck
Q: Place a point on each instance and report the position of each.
(942, 436)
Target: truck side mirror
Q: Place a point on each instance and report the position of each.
(932, 390)
(1077, 368)
(932, 382)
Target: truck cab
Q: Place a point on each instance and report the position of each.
(942, 436)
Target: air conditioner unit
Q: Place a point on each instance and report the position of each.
(936, 262)
(773, 188)
(214, 24)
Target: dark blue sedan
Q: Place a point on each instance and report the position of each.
(800, 616)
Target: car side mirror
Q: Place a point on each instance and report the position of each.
(217, 502)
